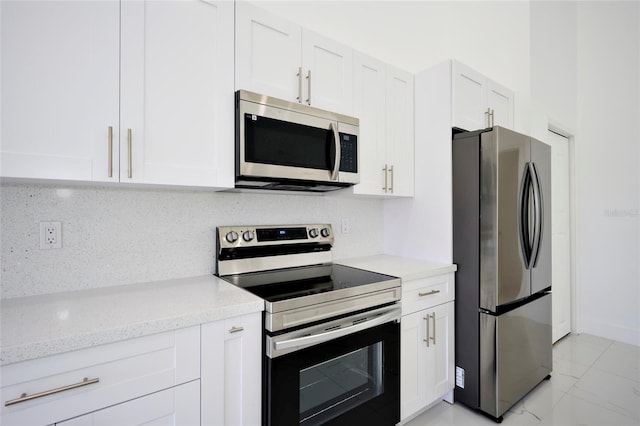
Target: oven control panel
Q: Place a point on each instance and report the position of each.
(256, 236)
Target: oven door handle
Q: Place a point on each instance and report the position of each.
(314, 339)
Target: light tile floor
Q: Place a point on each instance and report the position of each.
(594, 381)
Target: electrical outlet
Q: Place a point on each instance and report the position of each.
(345, 226)
(50, 235)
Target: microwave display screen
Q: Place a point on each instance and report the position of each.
(271, 141)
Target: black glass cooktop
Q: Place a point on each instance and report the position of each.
(285, 284)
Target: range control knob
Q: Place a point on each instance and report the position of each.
(247, 235)
(313, 232)
(232, 236)
(325, 232)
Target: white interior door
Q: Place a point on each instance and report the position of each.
(561, 235)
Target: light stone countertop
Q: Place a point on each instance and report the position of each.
(38, 326)
(405, 268)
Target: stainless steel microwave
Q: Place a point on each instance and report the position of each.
(289, 146)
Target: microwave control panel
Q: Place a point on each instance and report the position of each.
(348, 153)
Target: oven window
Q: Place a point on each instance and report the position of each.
(338, 385)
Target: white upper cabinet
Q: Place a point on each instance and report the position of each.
(369, 106)
(329, 73)
(478, 102)
(177, 93)
(60, 78)
(400, 143)
(268, 53)
(383, 101)
(138, 92)
(278, 58)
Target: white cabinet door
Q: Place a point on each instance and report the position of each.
(469, 98)
(427, 354)
(177, 406)
(329, 73)
(500, 101)
(413, 364)
(232, 371)
(177, 93)
(440, 354)
(479, 102)
(268, 54)
(399, 105)
(369, 106)
(59, 89)
(279, 58)
(383, 101)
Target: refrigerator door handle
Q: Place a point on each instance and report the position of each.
(538, 214)
(523, 216)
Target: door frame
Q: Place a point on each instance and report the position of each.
(562, 130)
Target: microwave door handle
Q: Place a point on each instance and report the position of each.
(336, 141)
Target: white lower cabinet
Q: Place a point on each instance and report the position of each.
(209, 374)
(231, 384)
(176, 406)
(60, 387)
(427, 344)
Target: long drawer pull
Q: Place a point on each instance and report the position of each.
(429, 293)
(24, 397)
(235, 329)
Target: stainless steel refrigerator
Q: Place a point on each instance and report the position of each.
(502, 246)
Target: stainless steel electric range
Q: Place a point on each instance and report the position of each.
(331, 332)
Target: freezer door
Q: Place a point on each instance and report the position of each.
(515, 354)
(541, 268)
(504, 159)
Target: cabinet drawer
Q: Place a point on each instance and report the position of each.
(125, 370)
(427, 292)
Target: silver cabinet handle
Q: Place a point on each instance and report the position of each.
(492, 116)
(433, 317)
(235, 329)
(24, 397)
(427, 339)
(429, 293)
(110, 152)
(129, 143)
(391, 173)
(384, 188)
(309, 87)
(299, 75)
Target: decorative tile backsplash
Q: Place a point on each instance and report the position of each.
(116, 236)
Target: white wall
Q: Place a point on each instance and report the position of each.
(115, 236)
(554, 60)
(607, 152)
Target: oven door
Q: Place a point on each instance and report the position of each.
(352, 379)
(277, 143)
